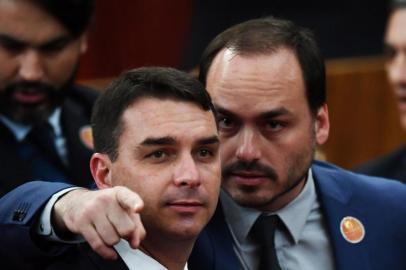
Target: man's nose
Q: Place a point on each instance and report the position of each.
(31, 66)
(248, 146)
(187, 173)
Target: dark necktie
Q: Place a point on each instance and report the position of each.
(263, 232)
(43, 136)
(38, 149)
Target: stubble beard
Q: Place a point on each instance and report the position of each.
(296, 172)
(31, 114)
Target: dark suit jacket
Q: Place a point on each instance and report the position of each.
(75, 257)
(392, 165)
(82, 257)
(26, 251)
(378, 203)
(75, 114)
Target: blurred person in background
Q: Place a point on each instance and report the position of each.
(44, 115)
(393, 165)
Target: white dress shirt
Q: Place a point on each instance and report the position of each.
(135, 259)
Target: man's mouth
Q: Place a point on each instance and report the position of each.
(249, 178)
(29, 97)
(186, 206)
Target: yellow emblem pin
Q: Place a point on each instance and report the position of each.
(85, 134)
(352, 229)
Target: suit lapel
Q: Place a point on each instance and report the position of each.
(73, 119)
(335, 194)
(222, 241)
(214, 247)
(13, 171)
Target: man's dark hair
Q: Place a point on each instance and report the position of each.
(74, 15)
(267, 35)
(155, 82)
(397, 4)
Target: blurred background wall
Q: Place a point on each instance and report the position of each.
(364, 122)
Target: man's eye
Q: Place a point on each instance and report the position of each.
(225, 122)
(274, 125)
(205, 153)
(157, 155)
(390, 53)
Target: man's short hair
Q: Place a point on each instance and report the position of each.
(155, 82)
(266, 35)
(397, 4)
(74, 15)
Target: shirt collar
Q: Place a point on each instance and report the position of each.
(55, 121)
(20, 131)
(136, 259)
(294, 215)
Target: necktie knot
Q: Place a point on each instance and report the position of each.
(43, 131)
(43, 136)
(264, 228)
(39, 150)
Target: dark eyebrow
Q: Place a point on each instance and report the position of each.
(10, 41)
(60, 41)
(220, 110)
(269, 114)
(211, 140)
(171, 141)
(275, 113)
(158, 141)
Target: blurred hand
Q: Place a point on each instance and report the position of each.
(102, 217)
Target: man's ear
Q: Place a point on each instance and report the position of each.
(83, 43)
(322, 125)
(100, 166)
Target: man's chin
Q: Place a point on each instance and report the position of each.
(30, 115)
(250, 199)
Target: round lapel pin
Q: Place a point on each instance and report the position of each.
(352, 229)
(85, 134)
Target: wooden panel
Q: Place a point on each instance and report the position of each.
(133, 33)
(363, 115)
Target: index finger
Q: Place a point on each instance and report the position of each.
(129, 200)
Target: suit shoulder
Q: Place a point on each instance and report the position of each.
(336, 181)
(83, 94)
(384, 166)
(79, 103)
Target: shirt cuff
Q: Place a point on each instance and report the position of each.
(44, 227)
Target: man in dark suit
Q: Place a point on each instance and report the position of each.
(266, 78)
(393, 165)
(44, 116)
(149, 120)
(279, 209)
